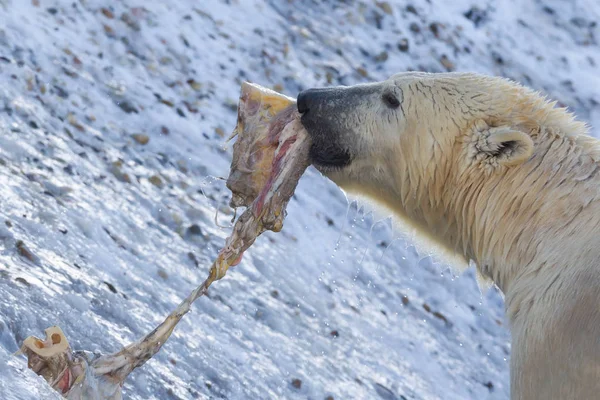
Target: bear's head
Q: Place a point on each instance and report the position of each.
(410, 123)
(442, 150)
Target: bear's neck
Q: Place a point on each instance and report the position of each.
(514, 221)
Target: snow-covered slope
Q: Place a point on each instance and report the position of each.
(112, 125)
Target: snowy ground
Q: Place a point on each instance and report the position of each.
(102, 233)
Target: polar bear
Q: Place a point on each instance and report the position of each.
(497, 174)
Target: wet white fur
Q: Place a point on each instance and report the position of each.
(528, 217)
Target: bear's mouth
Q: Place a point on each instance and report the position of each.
(325, 150)
(329, 157)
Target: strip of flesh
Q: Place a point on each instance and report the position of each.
(269, 157)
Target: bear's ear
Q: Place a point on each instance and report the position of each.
(500, 145)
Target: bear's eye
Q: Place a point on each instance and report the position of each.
(391, 100)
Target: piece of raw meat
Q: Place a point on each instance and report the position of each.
(269, 156)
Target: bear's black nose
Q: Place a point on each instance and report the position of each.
(303, 101)
(317, 99)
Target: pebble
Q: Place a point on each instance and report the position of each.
(107, 13)
(403, 45)
(25, 252)
(140, 138)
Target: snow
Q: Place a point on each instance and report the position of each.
(114, 233)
